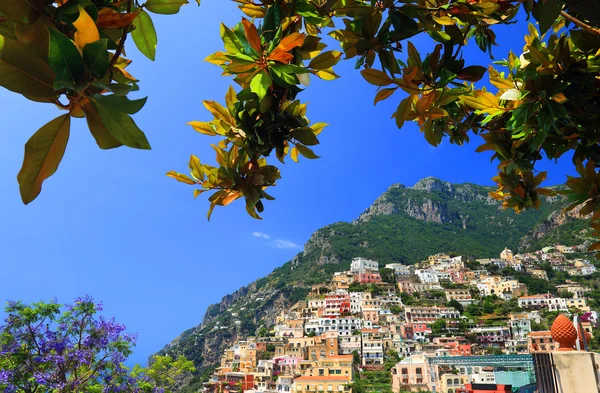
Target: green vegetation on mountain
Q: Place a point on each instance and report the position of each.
(404, 225)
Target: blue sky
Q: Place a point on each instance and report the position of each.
(112, 225)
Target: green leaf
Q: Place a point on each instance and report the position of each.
(122, 127)
(69, 11)
(260, 84)
(283, 78)
(103, 137)
(230, 40)
(24, 12)
(120, 103)
(471, 73)
(165, 7)
(96, 58)
(546, 12)
(23, 72)
(43, 153)
(306, 152)
(35, 36)
(306, 136)
(65, 61)
(325, 60)
(144, 35)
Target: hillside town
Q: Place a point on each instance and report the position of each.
(447, 324)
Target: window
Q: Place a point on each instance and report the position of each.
(456, 381)
(419, 371)
(321, 372)
(329, 388)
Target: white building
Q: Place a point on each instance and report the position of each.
(399, 269)
(427, 275)
(342, 326)
(356, 299)
(362, 265)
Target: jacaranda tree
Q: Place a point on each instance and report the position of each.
(44, 349)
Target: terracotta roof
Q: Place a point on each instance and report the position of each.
(340, 357)
(541, 333)
(370, 330)
(302, 379)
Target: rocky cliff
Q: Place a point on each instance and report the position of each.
(405, 224)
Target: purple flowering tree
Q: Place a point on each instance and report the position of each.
(46, 347)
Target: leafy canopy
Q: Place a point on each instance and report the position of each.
(70, 53)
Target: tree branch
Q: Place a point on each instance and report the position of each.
(579, 23)
(121, 46)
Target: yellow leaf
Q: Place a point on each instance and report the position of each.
(253, 11)
(497, 80)
(203, 127)
(444, 20)
(318, 127)
(218, 110)
(196, 168)
(217, 58)
(87, 32)
(294, 154)
(180, 177)
(327, 74)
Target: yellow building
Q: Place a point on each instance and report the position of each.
(450, 383)
(342, 280)
(578, 303)
(333, 366)
(321, 384)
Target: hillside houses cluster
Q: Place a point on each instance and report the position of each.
(358, 321)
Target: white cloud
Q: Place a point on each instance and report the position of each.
(277, 243)
(281, 243)
(262, 235)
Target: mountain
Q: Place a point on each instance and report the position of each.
(404, 225)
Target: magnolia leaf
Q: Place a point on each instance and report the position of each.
(87, 32)
(144, 35)
(230, 40)
(196, 168)
(65, 60)
(294, 154)
(252, 36)
(115, 20)
(165, 7)
(43, 153)
(260, 84)
(253, 10)
(290, 42)
(35, 36)
(120, 103)
(96, 58)
(325, 60)
(404, 109)
(217, 110)
(546, 12)
(327, 75)
(103, 137)
(203, 127)
(471, 73)
(305, 135)
(23, 72)
(318, 127)
(376, 77)
(24, 12)
(306, 152)
(180, 177)
(122, 127)
(384, 94)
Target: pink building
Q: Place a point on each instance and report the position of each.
(368, 278)
(411, 375)
(286, 364)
